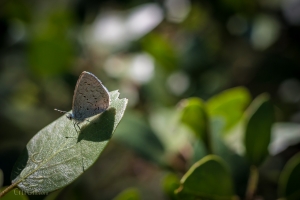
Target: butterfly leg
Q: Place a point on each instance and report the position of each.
(77, 124)
(82, 158)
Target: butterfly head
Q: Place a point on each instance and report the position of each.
(70, 116)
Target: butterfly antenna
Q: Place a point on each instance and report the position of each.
(60, 111)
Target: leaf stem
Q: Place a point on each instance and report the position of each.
(252, 183)
(8, 189)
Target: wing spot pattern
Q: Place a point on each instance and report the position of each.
(93, 95)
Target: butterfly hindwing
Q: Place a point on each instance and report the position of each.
(90, 97)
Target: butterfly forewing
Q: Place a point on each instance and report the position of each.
(90, 97)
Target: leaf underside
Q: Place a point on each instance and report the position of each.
(59, 153)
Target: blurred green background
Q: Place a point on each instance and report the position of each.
(156, 53)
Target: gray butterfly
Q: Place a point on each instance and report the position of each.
(90, 98)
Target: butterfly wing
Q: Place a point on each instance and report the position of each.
(90, 97)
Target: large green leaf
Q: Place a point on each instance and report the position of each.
(229, 105)
(195, 117)
(289, 181)
(259, 120)
(55, 156)
(208, 178)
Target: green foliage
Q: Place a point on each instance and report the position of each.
(129, 194)
(170, 184)
(172, 134)
(230, 105)
(226, 113)
(136, 134)
(289, 179)
(207, 178)
(162, 50)
(55, 156)
(15, 194)
(50, 51)
(195, 117)
(260, 117)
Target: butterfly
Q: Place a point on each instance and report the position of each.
(90, 98)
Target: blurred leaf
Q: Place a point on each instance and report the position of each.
(230, 105)
(208, 178)
(195, 117)
(235, 138)
(284, 135)
(55, 156)
(136, 134)
(129, 194)
(157, 93)
(50, 48)
(15, 194)
(199, 151)
(260, 117)
(238, 166)
(162, 50)
(173, 136)
(289, 181)
(170, 184)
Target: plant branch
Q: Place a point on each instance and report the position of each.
(8, 189)
(252, 183)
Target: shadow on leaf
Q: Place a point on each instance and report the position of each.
(100, 128)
